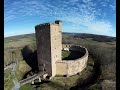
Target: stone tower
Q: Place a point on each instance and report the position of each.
(49, 46)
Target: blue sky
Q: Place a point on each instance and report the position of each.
(82, 16)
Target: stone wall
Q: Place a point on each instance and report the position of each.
(44, 47)
(61, 67)
(72, 67)
(56, 45)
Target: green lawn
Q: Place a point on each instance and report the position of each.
(27, 87)
(8, 79)
(65, 54)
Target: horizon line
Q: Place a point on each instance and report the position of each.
(62, 32)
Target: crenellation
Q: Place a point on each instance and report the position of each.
(42, 24)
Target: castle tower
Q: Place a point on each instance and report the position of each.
(49, 46)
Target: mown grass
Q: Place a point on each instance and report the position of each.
(19, 43)
(8, 79)
(65, 54)
(8, 85)
(27, 87)
(7, 72)
(22, 68)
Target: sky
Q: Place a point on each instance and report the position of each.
(77, 16)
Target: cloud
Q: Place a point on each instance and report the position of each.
(77, 12)
(102, 27)
(104, 4)
(112, 7)
(90, 25)
(48, 8)
(42, 8)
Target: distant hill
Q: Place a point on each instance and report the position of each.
(20, 36)
(99, 38)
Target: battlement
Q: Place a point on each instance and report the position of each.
(41, 25)
(57, 22)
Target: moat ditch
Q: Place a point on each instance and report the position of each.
(91, 80)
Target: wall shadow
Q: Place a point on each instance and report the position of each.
(30, 58)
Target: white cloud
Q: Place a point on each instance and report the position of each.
(104, 4)
(112, 7)
(48, 8)
(91, 25)
(102, 27)
(72, 11)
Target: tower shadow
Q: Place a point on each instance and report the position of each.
(74, 55)
(30, 58)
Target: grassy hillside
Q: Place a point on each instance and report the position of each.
(101, 48)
